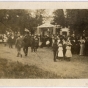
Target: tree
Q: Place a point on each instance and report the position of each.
(77, 19)
(37, 19)
(18, 20)
(59, 17)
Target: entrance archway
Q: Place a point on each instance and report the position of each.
(65, 31)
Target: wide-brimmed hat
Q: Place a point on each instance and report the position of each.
(60, 45)
(69, 44)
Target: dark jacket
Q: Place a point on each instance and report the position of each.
(55, 47)
(26, 41)
(32, 42)
(36, 42)
(10, 40)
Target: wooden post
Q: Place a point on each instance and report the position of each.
(38, 30)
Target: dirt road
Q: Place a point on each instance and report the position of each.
(76, 68)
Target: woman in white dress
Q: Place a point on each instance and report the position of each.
(68, 54)
(60, 51)
(82, 46)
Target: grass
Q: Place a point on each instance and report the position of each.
(18, 70)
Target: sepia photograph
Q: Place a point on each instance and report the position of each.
(43, 43)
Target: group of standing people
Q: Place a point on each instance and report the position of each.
(46, 41)
(62, 50)
(9, 39)
(64, 47)
(80, 45)
(21, 42)
(25, 42)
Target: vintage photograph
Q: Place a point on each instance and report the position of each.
(43, 43)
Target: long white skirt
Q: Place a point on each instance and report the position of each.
(68, 53)
(60, 53)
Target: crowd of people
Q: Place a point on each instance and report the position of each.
(21, 41)
(25, 42)
(63, 46)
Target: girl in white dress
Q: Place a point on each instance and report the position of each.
(68, 54)
(60, 51)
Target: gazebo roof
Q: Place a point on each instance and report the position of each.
(46, 25)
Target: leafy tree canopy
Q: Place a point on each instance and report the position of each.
(18, 20)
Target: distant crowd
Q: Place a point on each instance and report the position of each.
(22, 41)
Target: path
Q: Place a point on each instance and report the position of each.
(76, 68)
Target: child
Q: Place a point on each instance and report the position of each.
(68, 51)
(60, 51)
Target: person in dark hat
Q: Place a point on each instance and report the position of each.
(26, 41)
(32, 43)
(55, 49)
(10, 41)
(86, 47)
(36, 43)
(64, 47)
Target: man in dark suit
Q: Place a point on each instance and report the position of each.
(55, 49)
(86, 47)
(26, 41)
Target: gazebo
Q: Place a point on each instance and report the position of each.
(46, 29)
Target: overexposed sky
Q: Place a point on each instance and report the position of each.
(48, 15)
(48, 12)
